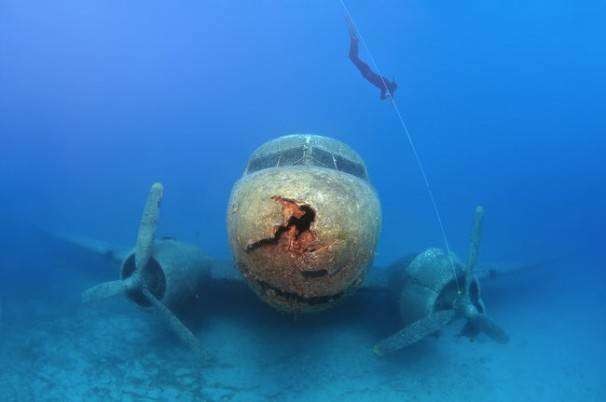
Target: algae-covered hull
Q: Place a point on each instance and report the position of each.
(303, 232)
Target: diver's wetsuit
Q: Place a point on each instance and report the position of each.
(386, 86)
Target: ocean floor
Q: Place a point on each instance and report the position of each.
(55, 350)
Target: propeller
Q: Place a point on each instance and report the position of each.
(144, 249)
(463, 306)
(477, 321)
(414, 332)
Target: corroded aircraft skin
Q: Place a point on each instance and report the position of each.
(303, 222)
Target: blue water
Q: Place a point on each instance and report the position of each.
(505, 103)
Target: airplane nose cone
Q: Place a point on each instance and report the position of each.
(303, 235)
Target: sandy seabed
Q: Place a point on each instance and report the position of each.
(113, 351)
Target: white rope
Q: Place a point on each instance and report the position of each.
(410, 142)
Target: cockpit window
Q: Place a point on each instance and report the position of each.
(292, 156)
(347, 166)
(310, 156)
(263, 162)
(323, 158)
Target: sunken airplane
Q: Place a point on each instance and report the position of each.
(303, 224)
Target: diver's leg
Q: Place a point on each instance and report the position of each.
(351, 28)
(354, 48)
(365, 70)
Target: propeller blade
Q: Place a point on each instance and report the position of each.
(103, 291)
(414, 332)
(490, 328)
(177, 326)
(474, 244)
(147, 228)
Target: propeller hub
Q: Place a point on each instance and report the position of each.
(469, 310)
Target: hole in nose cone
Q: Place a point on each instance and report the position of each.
(153, 276)
(295, 234)
(292, 250)
(315, 274)
(298, 302)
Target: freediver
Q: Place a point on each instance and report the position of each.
(386, 86)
